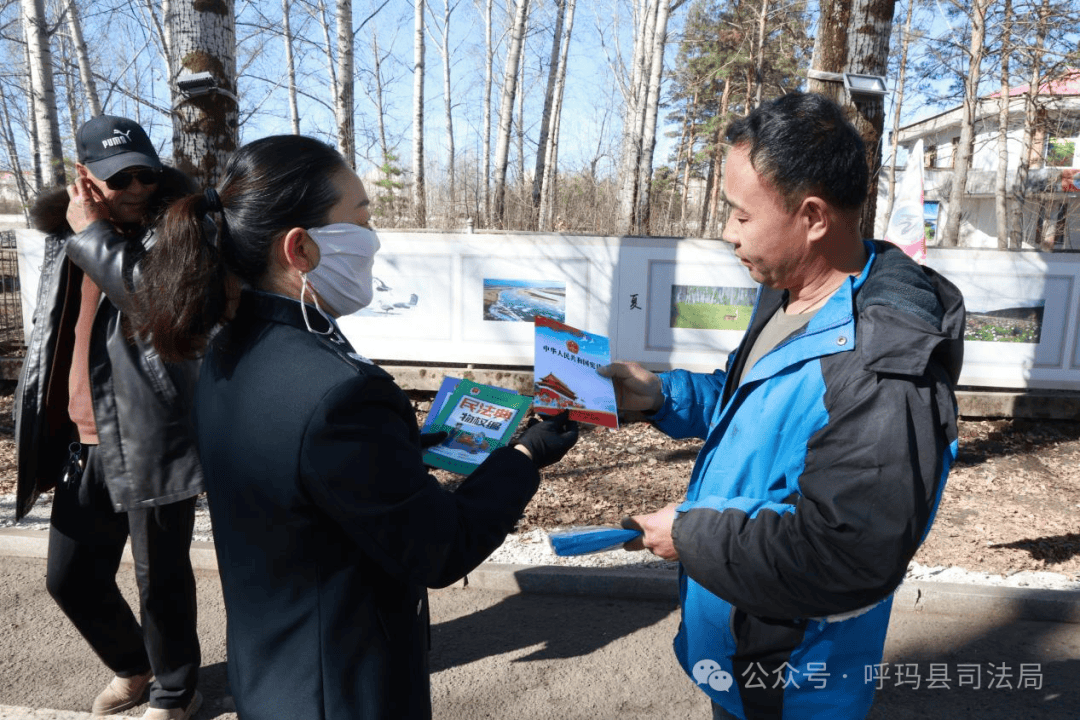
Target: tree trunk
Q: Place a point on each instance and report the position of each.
(205, 125)
(71, 94)
(652, 110)
(444, 51)
(898, 105)
(506, 110)
(950, 235)
(759, 61)
(384, 147)
(290, 64)
(86, 72)
(710, 210)
(1031, 125)
(868, 53)
(419, 190)
(489, 63)
(51, 158)
(31, 125)
(551, 164)
(686, 145)
(545, 117)
(164, 33)
(634, 117)
(345, 98)
(24, 190)
(319, 13)
(519, 125)
(1001, 200)
(831, 47)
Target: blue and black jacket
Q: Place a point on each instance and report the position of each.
(818, 479)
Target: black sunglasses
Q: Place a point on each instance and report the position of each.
(120, 180)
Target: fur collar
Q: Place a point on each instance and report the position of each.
(49, 211)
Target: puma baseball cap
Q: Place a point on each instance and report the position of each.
(107, 144)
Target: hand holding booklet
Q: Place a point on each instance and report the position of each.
(565, 376)
(477, 419)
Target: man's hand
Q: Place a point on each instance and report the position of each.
(657, 528)
(635, 387)
(85, 205)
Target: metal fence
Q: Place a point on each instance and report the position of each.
(12, 341)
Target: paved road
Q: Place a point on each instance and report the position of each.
(527, 655)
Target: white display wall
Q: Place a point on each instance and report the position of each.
(440, 299)
(623, 288)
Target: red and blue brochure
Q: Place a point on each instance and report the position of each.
(565, 376)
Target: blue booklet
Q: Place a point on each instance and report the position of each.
(590, 539)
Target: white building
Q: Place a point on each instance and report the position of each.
(1052, 192)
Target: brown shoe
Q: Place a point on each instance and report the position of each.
(121, 694)
(175, 713)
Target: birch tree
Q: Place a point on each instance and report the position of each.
(204, 124)
(22, 187)
(378, 96)
(443, 45)
(290, 66)
(634, 116)
(898, 102)
(344, 99)
(649, 117)
(86, 72)
(418, 189)
(1031, 112)
(1001, 179)
(49, 168)
(551, 160)
(489, 64)
(950, 235)
(506, 110)
(545, 116)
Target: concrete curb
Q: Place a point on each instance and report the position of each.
(1003, 604)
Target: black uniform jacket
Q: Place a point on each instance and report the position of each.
(142, 406)
(327, 525)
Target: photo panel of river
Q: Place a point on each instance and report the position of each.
(523, 300)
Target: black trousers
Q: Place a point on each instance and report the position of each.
(86, 542)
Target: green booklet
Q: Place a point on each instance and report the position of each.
(478, 419)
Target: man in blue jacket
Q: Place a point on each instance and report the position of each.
(827, 441)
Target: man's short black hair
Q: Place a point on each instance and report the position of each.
(802, 145)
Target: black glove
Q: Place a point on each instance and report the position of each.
(548, 440)
(430, 439)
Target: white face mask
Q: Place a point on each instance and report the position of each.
(343, 276)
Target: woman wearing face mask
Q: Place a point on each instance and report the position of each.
(328, 528)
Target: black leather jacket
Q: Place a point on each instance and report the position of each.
(142, 406)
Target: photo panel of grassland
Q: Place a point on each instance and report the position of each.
(999, 320)
(703, 307)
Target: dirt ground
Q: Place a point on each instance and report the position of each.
(1012, 501)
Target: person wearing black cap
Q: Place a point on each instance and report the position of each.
(105, 422)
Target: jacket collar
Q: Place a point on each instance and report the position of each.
(271, 307)
(906, 314)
